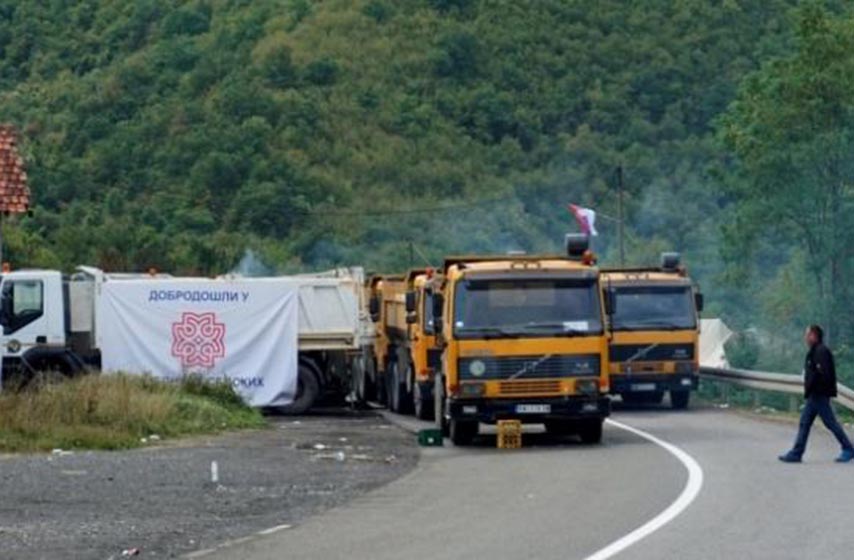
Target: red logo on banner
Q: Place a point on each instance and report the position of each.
(198, 340)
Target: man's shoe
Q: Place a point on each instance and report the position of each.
(790, 458)
(846, 456)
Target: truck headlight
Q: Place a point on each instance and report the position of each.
(587, 386)
(472, 390)
(477, 368)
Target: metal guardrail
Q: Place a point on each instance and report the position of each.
(777, 382)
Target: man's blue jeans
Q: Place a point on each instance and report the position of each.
(819, 406)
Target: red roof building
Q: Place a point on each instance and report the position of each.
(14, 192)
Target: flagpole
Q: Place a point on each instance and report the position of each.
(620, 215)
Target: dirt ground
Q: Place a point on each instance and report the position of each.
(163, 501)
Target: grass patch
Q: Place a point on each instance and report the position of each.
(117, 411)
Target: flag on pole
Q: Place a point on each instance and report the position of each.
(586, 219)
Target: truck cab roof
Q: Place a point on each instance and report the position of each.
(546, 264)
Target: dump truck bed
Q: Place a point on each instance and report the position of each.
(332, 313)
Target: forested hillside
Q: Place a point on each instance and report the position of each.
(180, 134)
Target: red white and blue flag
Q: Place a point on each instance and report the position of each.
(586, 219)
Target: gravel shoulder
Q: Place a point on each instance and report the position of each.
(163, 502)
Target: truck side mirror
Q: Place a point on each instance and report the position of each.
(374, 308)
(410, 302)
(610, 302)
(699, 302)
(438, 309)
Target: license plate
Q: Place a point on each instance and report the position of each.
(643, 387)
(533, 408)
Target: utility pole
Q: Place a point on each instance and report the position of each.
(620, 217)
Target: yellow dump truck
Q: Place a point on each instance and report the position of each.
(654, 319)
(405, 349)
(523, 338)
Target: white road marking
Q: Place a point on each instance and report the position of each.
(689, 493)
(199, 553)
(272, 530)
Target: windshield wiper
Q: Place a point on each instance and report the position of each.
(651, 325)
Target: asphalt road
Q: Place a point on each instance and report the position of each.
(565, 500)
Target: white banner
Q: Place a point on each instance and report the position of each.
(243, 330)
(713, 338)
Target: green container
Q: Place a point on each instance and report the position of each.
(430, 438)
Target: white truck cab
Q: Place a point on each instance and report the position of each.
(34, 316)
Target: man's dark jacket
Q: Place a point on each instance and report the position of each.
(819, 372)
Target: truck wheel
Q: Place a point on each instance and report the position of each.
(370, 373)
(380, 385)
(308, 389)
(361, 382)
(439, 404)
(679, 399)
(463, 432)
(591, 431)
(393, 387)
(398, 396)
(422, 401)
(357, 383)
(407, 379)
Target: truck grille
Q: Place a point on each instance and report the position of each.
(522, 367)
(651, 352)
(514, 388)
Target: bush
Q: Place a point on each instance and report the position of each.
(742, 351)
(117, 411)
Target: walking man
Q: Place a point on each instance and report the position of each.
(819, 388)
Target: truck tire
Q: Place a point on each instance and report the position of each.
(463, 432)
(392, 386)
(439, 405)
(308, 389)
(679, 399)
(360, 382)
(370, 387)
(422, 400)
(380, 385)
(399, 398)
(590, 431)
(407, 388)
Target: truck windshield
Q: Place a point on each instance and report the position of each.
(654, 307)
(526, 308)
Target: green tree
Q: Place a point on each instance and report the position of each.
(791, 129)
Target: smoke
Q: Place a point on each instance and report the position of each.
(251, 265)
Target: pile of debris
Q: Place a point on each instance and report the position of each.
(14, 192)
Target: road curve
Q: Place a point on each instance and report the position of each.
(752, 506)
(565, 500)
